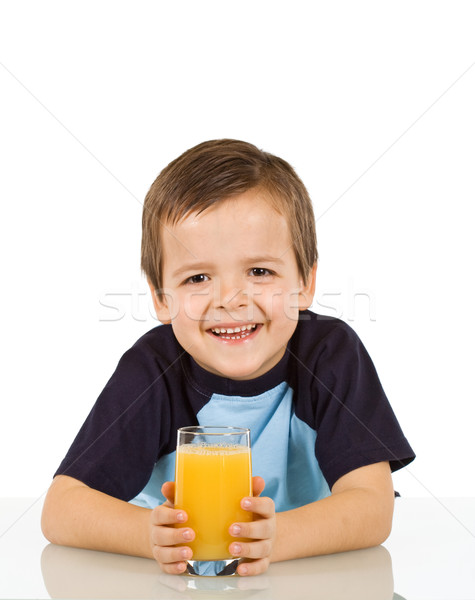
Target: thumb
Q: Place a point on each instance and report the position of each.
(168, 490)
(258, 485)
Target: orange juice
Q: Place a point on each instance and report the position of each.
(210, 484)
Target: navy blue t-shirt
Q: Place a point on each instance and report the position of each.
(318, 414)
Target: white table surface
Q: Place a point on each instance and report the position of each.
(430, 555)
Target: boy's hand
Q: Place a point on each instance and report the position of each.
(261, 532)
(164, 537)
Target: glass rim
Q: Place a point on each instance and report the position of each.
(195, 429)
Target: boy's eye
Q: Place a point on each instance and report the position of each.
(260, 272)
(197, 278)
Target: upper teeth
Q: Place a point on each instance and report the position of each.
(235, 330)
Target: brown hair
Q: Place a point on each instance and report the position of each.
(214, 171)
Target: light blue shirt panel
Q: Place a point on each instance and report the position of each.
(164, 470)
(283, 448)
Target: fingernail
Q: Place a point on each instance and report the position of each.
(243, 570)
(237, 548)
(187, 534)
(180, 517)
(236, 530)
(184, 553)
(246, 503)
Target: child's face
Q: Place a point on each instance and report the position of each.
(233, 267)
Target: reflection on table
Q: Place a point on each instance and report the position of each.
(74, 573)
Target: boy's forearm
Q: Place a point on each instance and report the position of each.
(79, 516)
(349, 520)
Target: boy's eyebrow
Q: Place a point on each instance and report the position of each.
(187, 268)
(248, 260)
(264, 258)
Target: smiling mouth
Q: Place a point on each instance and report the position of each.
(234, 333)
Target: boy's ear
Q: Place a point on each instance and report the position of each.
(307, 291)
(160, 305)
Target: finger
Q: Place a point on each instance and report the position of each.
(262, 506)
(168, 490)
(171, 555)
(255, 530)
(164, 515)
(259, 549)
(258, 485)
(170, 536)
(255, 567)
(173, 568)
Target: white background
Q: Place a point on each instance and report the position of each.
(371, 102)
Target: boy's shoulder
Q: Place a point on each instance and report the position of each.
(323, 342)
(157, 348)
(314, 329)
(160, 339)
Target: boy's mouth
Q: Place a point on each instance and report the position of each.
(235, 333)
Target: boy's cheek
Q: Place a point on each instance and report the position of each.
(194, 305)
(293, 304)
(282, 303)
(165, 306)
(182, 307)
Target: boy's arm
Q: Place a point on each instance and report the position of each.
(358, 514)
(77, 515)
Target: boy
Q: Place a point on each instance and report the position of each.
(229, 251)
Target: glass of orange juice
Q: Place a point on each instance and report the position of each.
(212, 476)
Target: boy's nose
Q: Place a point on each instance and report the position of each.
(230, 295)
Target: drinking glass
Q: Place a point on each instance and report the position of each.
(212, 475)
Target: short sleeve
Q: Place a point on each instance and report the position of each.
(355, 423)
(118, 444)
